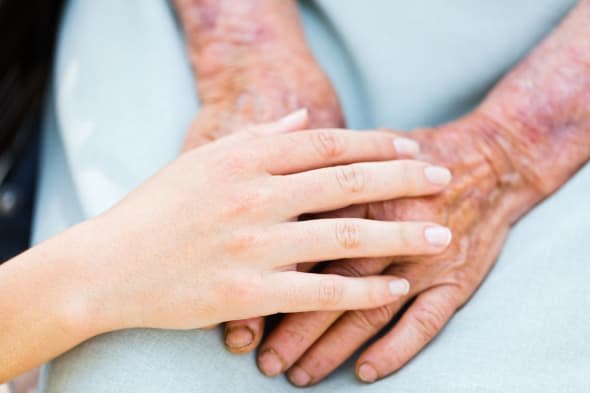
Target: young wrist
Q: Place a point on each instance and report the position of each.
(87, 301)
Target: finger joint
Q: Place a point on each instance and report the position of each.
(428, 321)
(373, 319)
(328, 144)
(329, 292)
(348, 234)
(351, 178)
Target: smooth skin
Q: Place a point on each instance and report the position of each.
(214, 232)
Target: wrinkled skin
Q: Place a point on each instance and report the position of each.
(241, 103)
(484, 198)
(528, 137)
(525, 140)
(252, 65)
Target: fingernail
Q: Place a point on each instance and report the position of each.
(399, 287)
(270, 363)
(438, 236)
(367, 373)
(295, 119)
(438, 175)
(238, 337)
(406, 147)
(299, 376)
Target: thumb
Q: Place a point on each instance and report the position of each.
(244, 335)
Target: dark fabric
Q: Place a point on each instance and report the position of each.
(17, 195)
(27, 36)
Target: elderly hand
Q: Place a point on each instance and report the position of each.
(525, 140)
(507, 156)
(261, 92)
(479, 207)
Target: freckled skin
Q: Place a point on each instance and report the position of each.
(252, 65)
(528, 137)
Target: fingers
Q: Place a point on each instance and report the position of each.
(288, 341)
(296, 152)
(329, 239)
(244, 335)
(294, 121)
(297, 332)
(340, 342)
(300, 292)
(336, 187)
(420, 323)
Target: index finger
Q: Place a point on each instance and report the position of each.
(312, 149)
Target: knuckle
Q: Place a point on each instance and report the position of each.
(373, 319)
(293, 335)
(238, 289)
(248, 201)
(240, 242)
(348, 234)
(328, 144)
(234, 164)
(329, 292)
(428, 321)
(293, 297)
(351, 178)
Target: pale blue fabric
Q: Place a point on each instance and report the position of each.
(124, 95)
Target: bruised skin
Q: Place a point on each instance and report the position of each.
(252, 65)
(526, 139)
(542, 107)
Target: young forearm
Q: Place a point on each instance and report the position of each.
(542, 108)
(44, 302)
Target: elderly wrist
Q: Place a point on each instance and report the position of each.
(493, 174)
(517, 185)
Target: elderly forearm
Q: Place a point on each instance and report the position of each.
(225, 37)
(542, 109)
